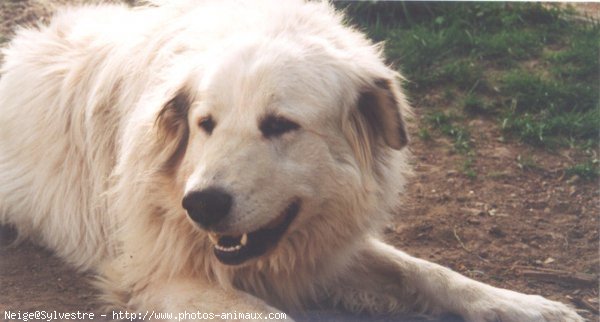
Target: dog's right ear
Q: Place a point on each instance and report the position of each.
(172, 126)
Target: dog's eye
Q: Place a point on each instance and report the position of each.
(273, 126)
(207, 124)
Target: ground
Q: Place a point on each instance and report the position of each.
(522, 223)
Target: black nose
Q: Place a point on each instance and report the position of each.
(207, 207)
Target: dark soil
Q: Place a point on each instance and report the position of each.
(522, 225)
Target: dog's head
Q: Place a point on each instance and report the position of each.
(280, 138)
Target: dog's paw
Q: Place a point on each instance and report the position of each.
(508, 306)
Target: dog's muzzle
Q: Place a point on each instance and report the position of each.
(210, 206)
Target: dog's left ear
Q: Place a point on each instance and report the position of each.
(380, 106)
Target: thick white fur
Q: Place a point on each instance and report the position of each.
(90, 170)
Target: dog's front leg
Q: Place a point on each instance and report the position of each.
(383, 279)
(192, 300)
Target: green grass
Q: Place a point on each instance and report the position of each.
(448, 125)
(424, 134)
(468, 167)
(588, 170)
(522, 64)
(474, 105)
(527, 163)
(483, 51)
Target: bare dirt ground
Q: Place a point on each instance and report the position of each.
(521, 224)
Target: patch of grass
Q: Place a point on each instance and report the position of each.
(460, 134)
(507, 47)
(553, 127)
(464, 74)
(534, 94)
(474, 104)
(527, 163)
(424, 134)
(589, 170)
(449, 125)
(468, 168)
(579, 59)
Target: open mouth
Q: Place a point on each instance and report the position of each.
(234, 250)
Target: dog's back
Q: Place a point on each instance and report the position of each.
(58, 133)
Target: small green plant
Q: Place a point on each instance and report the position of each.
(468, 167)
(527, 163)
(474, 104)
(449, 125)
(424, 134)
(526, 127)
(589, 170)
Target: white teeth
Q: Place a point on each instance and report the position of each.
(213, 238)
(228, 249)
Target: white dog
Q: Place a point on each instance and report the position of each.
(221, 156)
